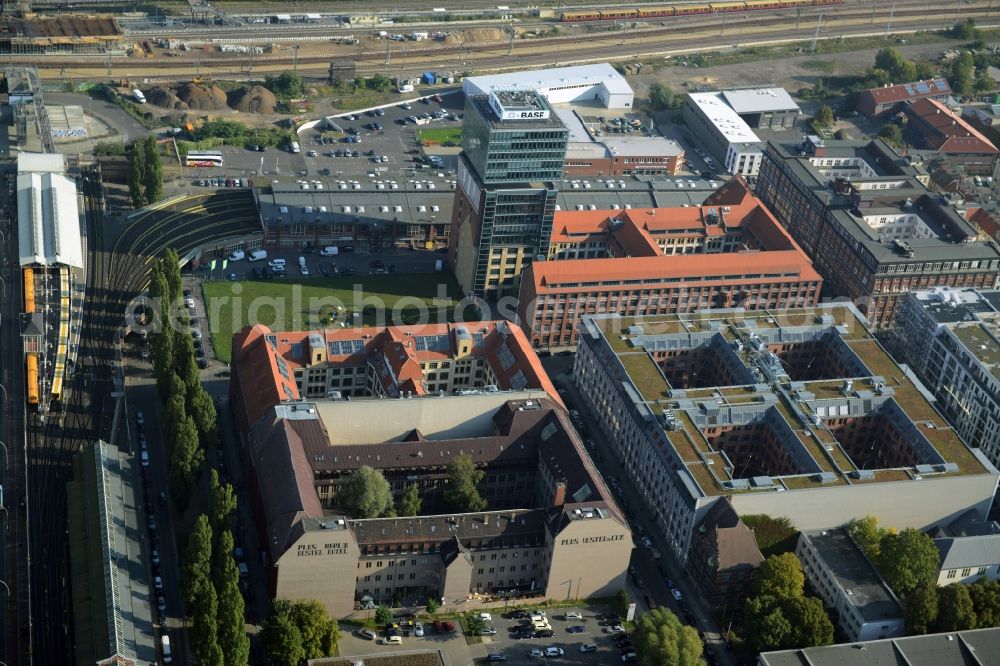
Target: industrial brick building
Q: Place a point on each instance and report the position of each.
(951, 339)
(873, 230)
(876, 102)
(397, 361)
(552, 529)
(934, 126)
(728, 252)
(796, 413)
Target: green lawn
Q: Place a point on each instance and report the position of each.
(442, 135)
(296, 304)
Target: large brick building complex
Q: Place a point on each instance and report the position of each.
(796, 413)
(552, 529)
(872, 229)
(728, 252)
(396, 361)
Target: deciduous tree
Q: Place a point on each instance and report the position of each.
(907, 559)
(136, 177)
(920, 608)
(867, 534)
(204, 635)
(153, 176)
(281, 639)
(963, 70)
(662, 640)
(232, 635)
(365, 493)
(823, 116)
(955, 609)
(811, 626)
(661, 97)
(461, 492)
(186, 458)
(409, 503)
(986, 602)
(780, 576)
(318, 629)
(774, 535)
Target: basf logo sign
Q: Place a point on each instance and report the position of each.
(524, 115)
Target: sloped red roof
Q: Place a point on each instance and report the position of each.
(948, 132)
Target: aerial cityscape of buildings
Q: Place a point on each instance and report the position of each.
(427, 323)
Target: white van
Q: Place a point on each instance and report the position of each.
(294, 147)
(277, 264)
(405, 88)
(168, 657)
(302, 262)
(330, 251)
(257, 255)
(237, 255)
(244, 570)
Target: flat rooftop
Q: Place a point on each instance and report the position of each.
(543, 79)
(760, 100)
(855, 574)
(788, 389)
(725, 119)
(972, 315)
(886, 185)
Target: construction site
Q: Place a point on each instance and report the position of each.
(64, 33)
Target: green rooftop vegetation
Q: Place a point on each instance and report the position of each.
(645, 374)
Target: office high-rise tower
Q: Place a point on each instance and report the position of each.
(513, 146)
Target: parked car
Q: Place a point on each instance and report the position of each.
(496, 656)
(573, 615)
(367, 634)
(553, 651)
(577, 629)
(677, 593)
(646, 542)
(418, 629)
(535, 653)
(588, 647)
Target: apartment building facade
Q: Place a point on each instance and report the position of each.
(729, 252)
(776, 411)
(873, 231)
(726, 135)
(951, 338)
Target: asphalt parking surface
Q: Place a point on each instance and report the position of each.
(397, 140)
(398, 261)
(457, 650)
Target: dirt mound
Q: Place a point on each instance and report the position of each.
(165, 98)
(255, 99)
(477, 36)
(202, 98)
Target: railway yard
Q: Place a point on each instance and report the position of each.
(157, 50)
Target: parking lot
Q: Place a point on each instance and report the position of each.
(457, 649)
(344, 264)
(396, 140)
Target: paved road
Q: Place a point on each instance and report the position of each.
(647, 570)
(112, 115)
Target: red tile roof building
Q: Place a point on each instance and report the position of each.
(728, 252)
(938, 128)
(877, 101)
(274, 367)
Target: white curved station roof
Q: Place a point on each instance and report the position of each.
(48, 217)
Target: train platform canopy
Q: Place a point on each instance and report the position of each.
(48, 216)
(562, 84)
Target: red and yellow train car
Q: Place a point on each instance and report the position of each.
(31, 378)
(628, 13)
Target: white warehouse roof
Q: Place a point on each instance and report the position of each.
(48, 218)
(727, 121)
(760, 100)
(549, 82)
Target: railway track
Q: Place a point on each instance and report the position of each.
(718, 34)
(116, 274)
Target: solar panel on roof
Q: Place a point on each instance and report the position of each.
(923, 87)
(908, 88)
(432, 343)
(346, 347)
